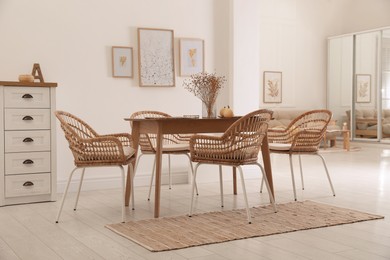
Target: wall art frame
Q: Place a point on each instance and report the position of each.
(191, 56)
(363, 88)
(122, 62)
(156, 63)
(272, 87)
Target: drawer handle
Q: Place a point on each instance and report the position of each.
(28, 183)
(28, 161)
(27, 96)
(28, 140)
(28, 118)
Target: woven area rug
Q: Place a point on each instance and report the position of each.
(207, 228)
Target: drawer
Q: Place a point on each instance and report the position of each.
(27, 141)
(22, 163)
(26, 119)
(26, 97)
(27, 185)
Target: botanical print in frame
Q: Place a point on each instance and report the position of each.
(191, 56)
(155, 57)
(363, 88)
(272, 87)
(122, 62)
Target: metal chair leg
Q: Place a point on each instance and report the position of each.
(264, 179)
(64, 195)
(78, 192)
(193, 188)
(221, 184)
(169, 172)
(300, 167)
(292, 176)
(192, 172)
(261, 185)
(248, 213)
(327, 173)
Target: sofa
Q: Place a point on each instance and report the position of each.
(282, 118)
(366, 122)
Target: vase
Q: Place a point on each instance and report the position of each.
(209, 110)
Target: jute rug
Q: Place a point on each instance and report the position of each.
(207, 228)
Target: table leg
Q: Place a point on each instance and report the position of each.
(267, 163)
(135, 136)
(158, 173)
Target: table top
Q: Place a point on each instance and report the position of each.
(182, 125)
(182, 118)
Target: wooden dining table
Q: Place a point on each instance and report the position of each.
(184, 125)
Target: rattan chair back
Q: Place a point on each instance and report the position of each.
(305, 132)
(88, 147)
(239, 145)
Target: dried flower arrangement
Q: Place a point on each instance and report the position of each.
(205, 86)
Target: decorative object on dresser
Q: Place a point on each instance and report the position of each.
(206, 86)
(28, 142)
(37, 70)
(26, 78)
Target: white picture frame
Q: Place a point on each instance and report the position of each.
(363, 88)
(191, 52)
(272, 87)
(156, 57)
(122, 62)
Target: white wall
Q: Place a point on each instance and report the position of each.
(72, 42)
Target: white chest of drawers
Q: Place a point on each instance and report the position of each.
(27, 143)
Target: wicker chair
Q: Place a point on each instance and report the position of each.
(172, 144)
(238, 146)
(301, 137)
(90, 149)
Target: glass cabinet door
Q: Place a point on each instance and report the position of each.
(340, 78)
(364, 118)
(385, 89)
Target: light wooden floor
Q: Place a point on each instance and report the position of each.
(361, 180)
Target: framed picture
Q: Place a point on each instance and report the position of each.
(272, 87)
(122, 62)
(363, 88)
(155, 57)
(191, 56)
